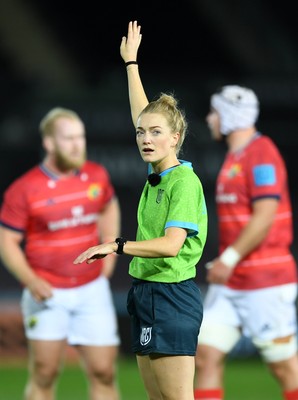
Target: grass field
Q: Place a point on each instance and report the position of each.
(246, 379)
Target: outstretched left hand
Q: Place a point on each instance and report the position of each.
(94, 253)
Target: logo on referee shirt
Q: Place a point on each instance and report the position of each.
(159, 195)
(145, 336)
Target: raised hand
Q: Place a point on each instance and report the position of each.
(130, 44)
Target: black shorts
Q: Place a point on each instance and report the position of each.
(166, 317)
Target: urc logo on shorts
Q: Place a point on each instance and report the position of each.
(145, 336)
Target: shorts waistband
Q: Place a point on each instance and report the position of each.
(137, 281)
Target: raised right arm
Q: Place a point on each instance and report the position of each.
(129, 50)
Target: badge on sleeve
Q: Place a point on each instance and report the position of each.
(264, 175)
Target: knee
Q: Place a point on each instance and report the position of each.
(200, 361)
(103, 373)
(208, 357)
(45, 375)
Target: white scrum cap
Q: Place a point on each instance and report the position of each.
(238, 108)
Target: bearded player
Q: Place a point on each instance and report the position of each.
(48, 215)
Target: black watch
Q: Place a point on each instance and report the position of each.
(121, 242)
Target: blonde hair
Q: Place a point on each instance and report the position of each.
(46, 126)
(167, 105)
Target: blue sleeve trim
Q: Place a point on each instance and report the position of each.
(192, 229)
(12, 227)
(267, 196)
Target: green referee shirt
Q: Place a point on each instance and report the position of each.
(177, 201)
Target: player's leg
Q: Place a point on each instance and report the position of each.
(209, 367)
(100, 365)
(286, 373)
(218, 335)
(46, 326)
(94, 332)
(45, 361)
(273, 327)
(210, 358)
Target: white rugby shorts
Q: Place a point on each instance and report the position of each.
(84, 315)
(262, 314)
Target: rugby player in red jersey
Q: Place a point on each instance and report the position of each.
(253, 283)
(65, 204)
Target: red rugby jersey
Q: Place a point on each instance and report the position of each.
(255, 172)
(59, 219)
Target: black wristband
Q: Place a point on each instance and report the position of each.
(121, 242)
(131, 62)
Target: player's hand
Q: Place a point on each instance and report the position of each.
(40, 289)
(218, 272)
(130, 44)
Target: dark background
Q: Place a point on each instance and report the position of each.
(62, 53)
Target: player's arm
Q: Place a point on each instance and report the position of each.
(15, 261)
(252, 235)
(109, 228)
(129, 50)
(168, 245)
